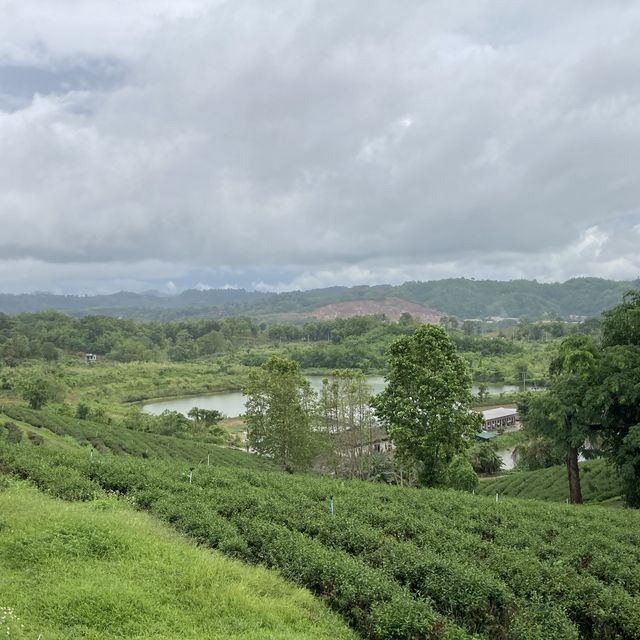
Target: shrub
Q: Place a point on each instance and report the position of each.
(14, 433)
(34, 438)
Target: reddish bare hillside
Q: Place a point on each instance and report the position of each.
(393, 308)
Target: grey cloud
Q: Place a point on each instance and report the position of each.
(23, 82)
(326, 141)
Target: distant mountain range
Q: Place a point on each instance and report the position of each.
(460, 297)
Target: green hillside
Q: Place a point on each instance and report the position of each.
(107, 438)
(466, 298)
(395, 563)
(598, 479)
(100, 571)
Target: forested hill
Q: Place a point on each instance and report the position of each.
(459, 297)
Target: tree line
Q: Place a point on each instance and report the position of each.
(360, 342)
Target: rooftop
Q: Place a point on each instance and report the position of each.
(498, 412)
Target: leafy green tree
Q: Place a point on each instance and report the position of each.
(205, 420)
(461, 475)
(184, 348)
(522, 372)
(212, 343)
(471, 327)
(49, 351)
(14, 350)
(37, 391)
(99, 413)
(425, 406)
(135, 418)
(348, 423)
(627, 458)
(616, 394)
(595, 395)
(484, 458)
(621, 325)
(449, 323)
(538, 453)
(382, 468)
(483, 392)
(280, 414)
(170, 423)
(564, 415)
(131, 350)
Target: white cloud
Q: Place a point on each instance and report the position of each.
(43, 32)
(306, 143)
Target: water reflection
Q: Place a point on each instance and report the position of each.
(232, 403)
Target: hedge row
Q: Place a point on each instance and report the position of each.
(120, 441)
(395, 563)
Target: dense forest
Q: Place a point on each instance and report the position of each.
(461, 297)
(493, 354)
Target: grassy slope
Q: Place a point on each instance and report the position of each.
(599, 483)
(516, 570)
(99, 570)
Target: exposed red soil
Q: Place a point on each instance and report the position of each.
(392, 308)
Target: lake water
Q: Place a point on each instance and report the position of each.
(232, 403)
(507, 458)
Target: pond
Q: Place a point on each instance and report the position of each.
(508, 462)
(506, 455)
(231, 403)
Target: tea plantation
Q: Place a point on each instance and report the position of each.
(395, 563)
(106, 438)
(599, 481)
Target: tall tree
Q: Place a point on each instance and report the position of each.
(563, 415)
(627, 459)
(425, 405)
(347, 420)
(616, 393)
(621, 324)
(280, 413)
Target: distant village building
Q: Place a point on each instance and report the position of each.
(381, 443)
(499, 418)
(90, 358)
(377, 440)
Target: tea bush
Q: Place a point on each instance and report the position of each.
(599, 480)
(396, 563)
(121, 441)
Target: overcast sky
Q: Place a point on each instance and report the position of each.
(296, 143)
